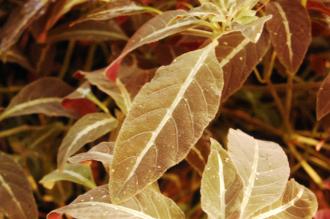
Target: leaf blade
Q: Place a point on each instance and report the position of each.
(162, 116)
(87, 129)
(290, 32)
(16, 197)
(263, 167)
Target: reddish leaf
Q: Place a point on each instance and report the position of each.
(323, 99)
(80, 106)
(318, 6)
(323, 214)
(112, 71)
(238, 56)
(290, 32)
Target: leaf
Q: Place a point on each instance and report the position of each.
(99, 210)
(59, 9)
(101, 152)
(157, 28)
(323, 99)
(290, 32)
(88, 31)
(323, 214)
(19, 20)
(16, 197)
(79, 101)
(41, 96)
(263, 167)
(80, 174)
(150, 202)
(85, 130)
(238, 56)
(250, 181)
(131, 79)
(166, 119)
(296, 202)
(16, 56)
(221, 186)
(116, 9)
(197, 157)
(254, 29)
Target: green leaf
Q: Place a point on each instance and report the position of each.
(87, 129)
(42, 96)
(290, 32)
(16, 196)
(80, 174)
(166, 119)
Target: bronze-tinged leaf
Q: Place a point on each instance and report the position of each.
(297, 202)
(76, 173)
(16, 56)
(101, 152)
(166, 119)
(16, 197)
(197, 157)
(88, 31)
(290, 32)
(150, 201)
(87, 129)
(131, 79)
(58, 9)
(238, 56)
(159, 27)
(115, 9)
(19, 21)
(263, 167)
(41, 96)
(323, 99)
(221, 186)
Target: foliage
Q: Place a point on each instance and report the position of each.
(119, 105)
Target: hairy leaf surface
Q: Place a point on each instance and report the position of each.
(323, 99)
(166, 119)
(87, 129)
(16, 197)
(221, 186)
(41, 96)
(238, 56)
(80, 174)
(290, 32)
(263, 167)
(157, 28)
